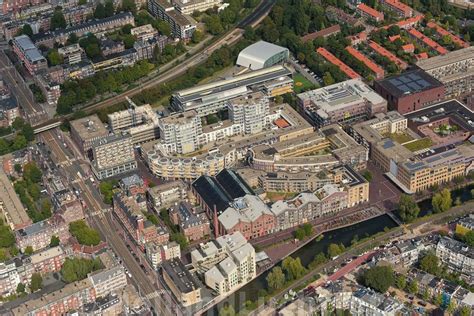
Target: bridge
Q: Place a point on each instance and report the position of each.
(45, 128)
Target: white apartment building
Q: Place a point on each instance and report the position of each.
(144, 32)
(113, 155)
(189, 6)
(250, 111)
(140, 122)
(72, 54)
(366, 302)
(458, 257)
(166, 194)
(10, 278)
(179, 132)
(226, 263)
(108, 281)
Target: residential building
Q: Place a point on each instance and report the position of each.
(369, 13)
(9, 277)
(374, 68)
(129, 210)
(141, 122)
(181, 283)
(213, 97)
(108, 281)
(262, 55)
(385, 53)
(182, 26)
(284, 181)
(133, 185)
(146, 49)
(400, 8)
(332, 30)
(87, 130)
(50, 89)
(110, 47)
(72, 54)
(248, 215)
(113, 155)
(38, 235)
(48, 261)
(455, 70)
(464, 225)
(189, 7)
(28, 54)
(158, 253)
(166, 194)
(340, 16)
(348, 71)
(365, 301)
(457, 256)
(71, 297)
(15, 6)
(193, 225)
(410, 91)
(9, 111)
(226, 263)
(343, 102)
(144, 33)
(426, 41)
(179, 132)
(250, 111)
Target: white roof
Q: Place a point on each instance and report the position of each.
(255, 55)
(247, 209)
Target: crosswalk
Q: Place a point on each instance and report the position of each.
(152, 295)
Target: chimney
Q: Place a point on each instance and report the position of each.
(216, 222)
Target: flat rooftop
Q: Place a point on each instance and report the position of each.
(448, 59)
(13, 210)
(89, 127)
(410, 83)
(180, 275)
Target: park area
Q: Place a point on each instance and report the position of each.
(301, 83)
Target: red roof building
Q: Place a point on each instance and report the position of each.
(322, 33)
(422, 56)
(382, 51)
(408, 48)
(442, 32)
(368, 12)
(336, 61)
(376, 69)
(398, 7)
(427, 41)
(393, 38)
(408, 23)
(358, 38)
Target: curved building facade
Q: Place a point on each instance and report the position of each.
(262, 55)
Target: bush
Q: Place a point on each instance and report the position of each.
(84, 234)
(379, 278)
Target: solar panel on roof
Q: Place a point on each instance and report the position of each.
(404, 79)
(414, 86)
(423, 83)
(404, 88)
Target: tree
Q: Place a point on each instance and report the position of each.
(328, 79)
(31, 172)
(367, 175)
(109, 8)
(293, 268)
(308, 229)
(20, 288)
(413, 287)
(18, 123)
(7, 238)
(430, 264)
(469, 238)
(58, 21)
(164, 28)
(275, 279)
(451, 307)
(426, 294)
(464, 311)
(84, 234)
(442, 201)
(407, 208)
(99, 12)
(93, 50)
(19, 142)
(76, 269)
(28, 251)
(54, 57)
(27, 30)
(299, 234)
(334, 250)
(54, 241)
(197, 36)
(379, 278)
(438, 300)
(401, 282)
(36, 282)
(227, 310)
(28, 132)
(129, 5)
(18, 168)
(72, 39)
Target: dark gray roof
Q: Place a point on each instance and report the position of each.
(409, 83)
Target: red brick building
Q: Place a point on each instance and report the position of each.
(193, 225)
(410, 91)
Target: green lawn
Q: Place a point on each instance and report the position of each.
(419, 144)
(400, 138)
(301, 83)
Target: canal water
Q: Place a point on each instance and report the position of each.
(464, 194)
(307, 254)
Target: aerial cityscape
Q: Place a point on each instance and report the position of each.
(237, 157)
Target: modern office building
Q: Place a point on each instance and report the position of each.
(182, 26)
(455, 71)
(85, 131)
(212, 97)
(28, 54)
(262, 55)
(113, 155)
(344, 102)
(181, 283)
(410, 91)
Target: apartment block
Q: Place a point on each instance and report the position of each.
(140, 122)
(343, 102)
(113, 155)
(455, 70)
(38, 235)
(426, 41)
(465, 225)
(158, 253)
(182, 26)
(166, 194)
(87, 130)
(374, 68)
(179, 132)
(250, 111)
(28, 54)
(410, 91)
(190, 6)
(108, 281)
(458, 257)
(72, 54)
(385, 53)
(226, 263)
(442, 32)
(9, 110)
(193, 224)
(144, 32)
(181, 283)
(370, 13)
(400, 8)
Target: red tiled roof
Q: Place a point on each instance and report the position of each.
(334, 60)
(281, 123)
(428, 41)
(370, 11)
(382, 51)
(421, 56)
(322, 33)
(441, 31)
(407, 10)
(393, 38)
(408, 48)
(376, 69)
(408, 23)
